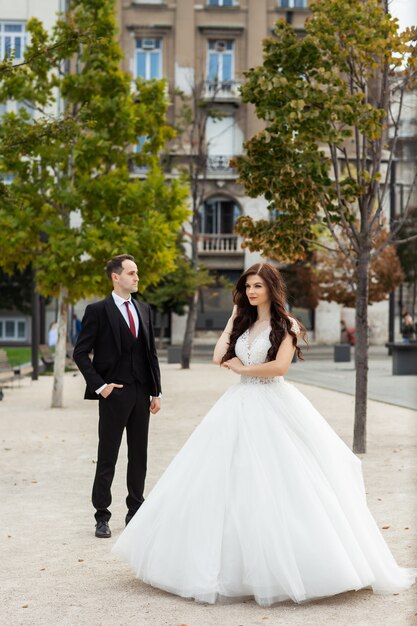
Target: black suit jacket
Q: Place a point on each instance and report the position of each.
(100, 334)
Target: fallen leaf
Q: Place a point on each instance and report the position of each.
(380, 499)
(406, 528)
(34, 481)
(386, 526)
(43, 569)
(25, 606)
(80, 560)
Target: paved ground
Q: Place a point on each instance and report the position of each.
(56, 573)
(320, 370)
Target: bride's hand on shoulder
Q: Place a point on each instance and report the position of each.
(235, 365)
(234, 313)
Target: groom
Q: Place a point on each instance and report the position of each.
(124, 376)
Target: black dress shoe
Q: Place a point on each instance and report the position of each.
(103, 530)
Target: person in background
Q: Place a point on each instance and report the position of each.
(53, 334)
(407, 327)
(75, 328)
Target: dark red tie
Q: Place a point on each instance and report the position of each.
(131, 320)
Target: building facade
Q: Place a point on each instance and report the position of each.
(208, 46)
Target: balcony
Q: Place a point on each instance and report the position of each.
(227, 91)
(219, 163)
(227, 244)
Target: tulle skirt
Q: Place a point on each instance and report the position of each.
(263, 500)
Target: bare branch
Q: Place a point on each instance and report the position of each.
(351, 231)
(6, 67)
(385, 186)
(332, 230)
(321, 245)
(392, 242)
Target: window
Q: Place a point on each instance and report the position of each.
(148, 58)
(218, 216)
(294, 4)
(12, 39)
(221, 3)
(13, 329)
(223, 137)
(139, 146)
(7, 178)
(220, 61)
(27, 107)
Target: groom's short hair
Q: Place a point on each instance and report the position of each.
(115, 264)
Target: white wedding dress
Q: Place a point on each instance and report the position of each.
(263, 500)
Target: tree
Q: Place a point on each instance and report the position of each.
(174, 292)
(301, 284)
(322, 161)
(73, 202)
(337, 276)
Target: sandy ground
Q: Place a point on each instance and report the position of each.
(55, 572)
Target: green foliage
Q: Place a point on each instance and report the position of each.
(174, 292)
(73, 202)
(324, 99)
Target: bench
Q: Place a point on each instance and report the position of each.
(9, 373)
(47, 356)
(404, 358)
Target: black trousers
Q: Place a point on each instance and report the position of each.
(128, 408)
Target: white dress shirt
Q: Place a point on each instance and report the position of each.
(120, 303)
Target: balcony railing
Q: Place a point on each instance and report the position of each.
(219, 244)
(219, 163)
(221, 90)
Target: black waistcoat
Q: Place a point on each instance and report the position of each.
(133, 364)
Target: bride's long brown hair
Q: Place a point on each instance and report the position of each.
(247, 313)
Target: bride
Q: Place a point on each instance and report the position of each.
(264, 499)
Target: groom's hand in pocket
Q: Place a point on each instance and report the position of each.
(109, 388)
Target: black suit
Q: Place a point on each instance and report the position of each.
(119, 358)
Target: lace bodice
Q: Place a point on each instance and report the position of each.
(254, 352)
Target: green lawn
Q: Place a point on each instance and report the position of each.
(17, 356)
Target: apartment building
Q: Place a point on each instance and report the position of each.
(210, 44)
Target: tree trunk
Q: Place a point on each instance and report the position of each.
(187, 344)
(361, 355)
(35, 329)
(60, 350)
(161, 332)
